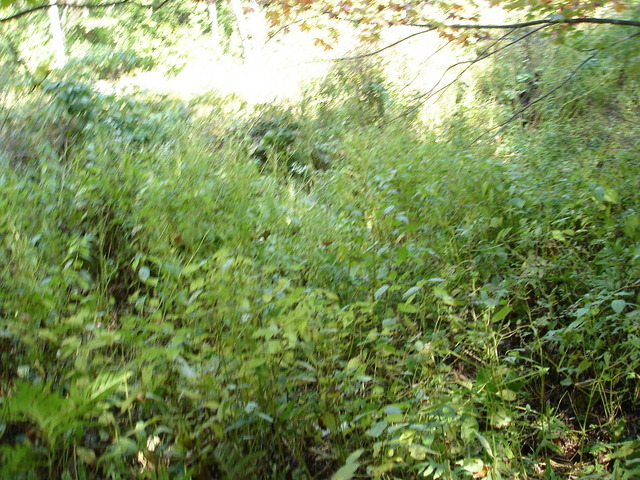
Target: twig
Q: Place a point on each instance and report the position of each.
(155, 9)
(425, 61)
(80, 5)
(382, 49)
(533, 23)
(286, 26)
(486, 53)
(500, 127)
(539, 99)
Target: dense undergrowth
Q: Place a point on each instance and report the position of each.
(189, 292)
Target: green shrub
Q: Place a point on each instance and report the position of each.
(108, 64)
(422, 308)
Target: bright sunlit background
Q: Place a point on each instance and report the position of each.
(289, 62)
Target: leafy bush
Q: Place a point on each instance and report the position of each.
(354, 92)
(109, 64)
(420, 309)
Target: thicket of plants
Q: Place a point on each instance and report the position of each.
(324, 290)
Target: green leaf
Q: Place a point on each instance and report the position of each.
(624, 450)
(126, 446)
(407, 308)
(144, 273)
(485, 444)
(500, 418)
(353, 363)
(392, 410)
(196, 284)
(517, 202)
(189, 269)
(266, 417)
(329, 421)
(347, 471)
(507, 395)
(584, 364)
(395, 417)
(419, 452)
(402, 254)
(618, 305)
(443, 295)
(381, 291)
(468, 428)
(575, 325)
(377, 429)
(501, 314)
(410, 292)
(186, 370)
(472, 465)
(598, 193)
(610, 196)
(581, 312)
(86, 455)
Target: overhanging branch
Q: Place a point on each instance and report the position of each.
(486, 53)
(541, 24)
(547, 21)
(45, 6)
(375, 52)
(566, 80)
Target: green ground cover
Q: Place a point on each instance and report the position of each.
(323, 290)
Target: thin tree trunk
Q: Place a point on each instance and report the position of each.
(257, 25)
(57, 35)
(252, 27)
(243, 28)
(215, 28)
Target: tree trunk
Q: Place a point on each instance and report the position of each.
(57, 35)
(257, 25)
(243, 29)
(251, 27)
(215, 28)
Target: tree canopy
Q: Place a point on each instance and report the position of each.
(441, 14)
(451, 18)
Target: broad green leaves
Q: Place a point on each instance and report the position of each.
(348, 470)
(265, 317)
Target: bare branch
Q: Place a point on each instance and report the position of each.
(81, 5)
(547, 21)
(424, 62)
(540, 24)
(382, 49)
(629, 37)
(539, 99)
(486, 53)
(283, 28)
(550, 92)
(155, 9)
